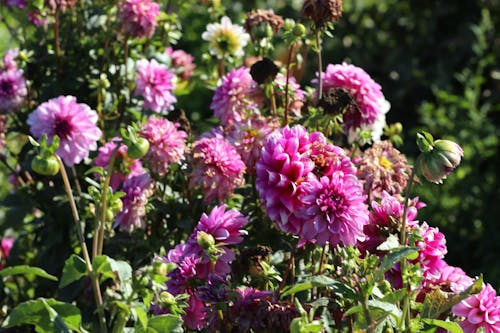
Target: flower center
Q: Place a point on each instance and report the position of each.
(62, 128)
(331, 202)
(385, 163)
(6, 88)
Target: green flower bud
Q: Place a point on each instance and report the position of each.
(167, 299)
(205, 241)
(45, 165)
(436, 164)
(137, 148)
(299, 30)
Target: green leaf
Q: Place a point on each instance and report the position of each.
(26, 270)
(337, 287)
(447, 325)
(110, 268)
(391, 243)
(166, 324)
(142, 316)
(74, 269)
(47, 315)
(391, 258)
(438, 302)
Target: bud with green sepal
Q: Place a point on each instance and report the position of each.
(137, 146)
(45, 163)
(438, 159)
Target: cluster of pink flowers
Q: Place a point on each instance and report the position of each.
(309, 188)
(235, 96)
(137, 190)
(195, 262)
(371, 104)
(74, 123)
(166, 144)
(124, 166)
(13, 88)
(217, 168)
(138, 17)
(155, 84)
(182, 62)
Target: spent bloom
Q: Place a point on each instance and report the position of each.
(233, 98)
(138, 17)
(322, 11)
(137, 190)
(124, 166)
(155, 84)
(74, 123)
(12, 90)
(438, 159)
(182, 62)
(166, 144)
(217, 168)
(226, 39)
(481, 311)
(383, 168)
(371, 105)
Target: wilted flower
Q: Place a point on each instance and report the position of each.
(124, 166)
(138, 17)
(259, 17)
(371, 106)
(12, 90)
(155, 84)
(233, 98)
(61, 5)
(264, 71)
(137, 190)
(322, 11)
(481, 311)
(383, 168)
(166, 144)
(226, 39)
(182, 62)
(440, 160)
(74, 123)
(217, 168)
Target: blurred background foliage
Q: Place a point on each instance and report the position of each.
(437, 62)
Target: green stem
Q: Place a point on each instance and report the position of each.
(288, 268)
(320, 64)
(289, 60)
(273, 100)
(95, 283)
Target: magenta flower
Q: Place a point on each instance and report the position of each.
(249, 136)
(12, 90)
(9, 59)
(445, 277)
(233, 98)
(481, 311)
(283, 169)
(5, 247)
(74, 123)
(166, 144)
(137, 190)
(124, 166)
(155, 84)
(217, 168)
(432, 247)
(367, 94)
(335, 211)
(226, 226)
(138, 17)
(194, 318)
(182, 62)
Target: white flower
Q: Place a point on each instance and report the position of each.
(226, 39)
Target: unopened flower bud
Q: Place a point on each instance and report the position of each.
(299, 30)
(167, 299)
(205, 241)
(442, 159)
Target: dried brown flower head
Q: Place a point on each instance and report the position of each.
(262, 17)
(61, 5)
(322, 11)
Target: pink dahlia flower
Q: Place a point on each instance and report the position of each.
(12, 90)
(335, 211)
(74, 123)
(249, 136)
(296, 96)
(138, 17)
(9, 60)
(166, 144)
(217, 168)
(233, 98)
(481, 311)
(284, 166)
(182, 62)
(124, 166)
(328, 158)
(432, 247)
(155, 84)
(226, 226)
(5, 247)
(445, 277)
(137, 190)
(195, 312)
(367, 94)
